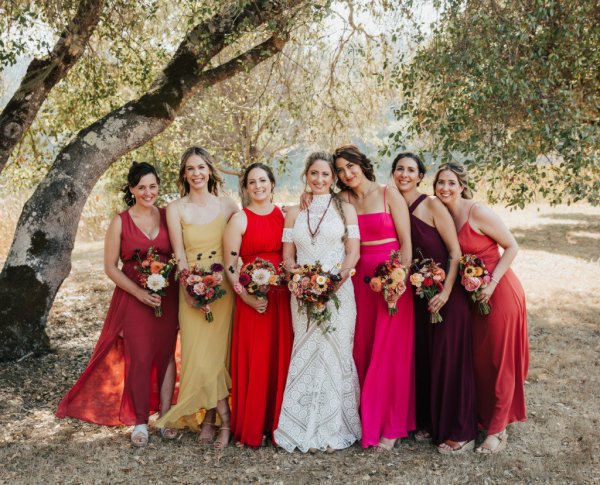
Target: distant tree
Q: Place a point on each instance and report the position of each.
(512, 88)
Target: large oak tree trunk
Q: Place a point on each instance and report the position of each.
(40, 256)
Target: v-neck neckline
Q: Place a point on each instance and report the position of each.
(142, 232)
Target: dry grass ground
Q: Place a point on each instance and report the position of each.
(559, 266)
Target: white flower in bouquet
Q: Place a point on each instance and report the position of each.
(261, 276)
(156, 282)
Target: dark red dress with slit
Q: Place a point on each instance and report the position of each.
(262, 342)
(445, 390)
(121, 384)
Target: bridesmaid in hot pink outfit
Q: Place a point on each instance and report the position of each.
(500, 341)
(383, 344)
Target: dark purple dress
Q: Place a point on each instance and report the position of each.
(445, 387)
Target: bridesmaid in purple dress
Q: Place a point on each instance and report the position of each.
(445, 382)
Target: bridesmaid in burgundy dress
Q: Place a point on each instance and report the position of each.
(262, 328)
(445, 384)
(500, 342)
(131, 373)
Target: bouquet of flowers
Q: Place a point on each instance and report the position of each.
(203, 285)
(153, 274)
(427, 278)
(257, 277)
(313, 287)
(389, 279)
(474, 277)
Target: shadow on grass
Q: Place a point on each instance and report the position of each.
(580, 238)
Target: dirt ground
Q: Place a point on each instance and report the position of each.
(559, 266)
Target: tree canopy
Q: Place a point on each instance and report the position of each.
(512, 88)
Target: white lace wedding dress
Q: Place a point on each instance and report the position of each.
(321, 398)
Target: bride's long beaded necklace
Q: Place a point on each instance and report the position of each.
(313, 234)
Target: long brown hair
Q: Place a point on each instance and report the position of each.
(354, 155)
(215, 181)
(460, 171)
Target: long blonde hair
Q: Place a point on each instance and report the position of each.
(215, 181)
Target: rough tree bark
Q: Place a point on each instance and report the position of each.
(43, 74)
(40, 256)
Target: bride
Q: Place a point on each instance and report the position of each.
(320, 402)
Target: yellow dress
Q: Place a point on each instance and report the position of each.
(204, 377)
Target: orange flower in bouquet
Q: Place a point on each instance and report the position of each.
(427, 278)
(313, 288)
(474, 277)
(153, 274)
(389, 279)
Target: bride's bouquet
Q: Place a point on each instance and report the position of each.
(313, 288)
(153, 274)
(204, 286)
(389, 280)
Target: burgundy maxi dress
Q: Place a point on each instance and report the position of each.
(445, 381)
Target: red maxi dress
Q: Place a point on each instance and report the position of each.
(500, 341)
(262, 342)
(121, 384)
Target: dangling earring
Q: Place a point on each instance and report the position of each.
(306, 187)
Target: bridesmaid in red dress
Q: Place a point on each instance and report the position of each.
(262, 329)
(131, 373)
(500, 342)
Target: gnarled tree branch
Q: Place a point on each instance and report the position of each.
(43, 74)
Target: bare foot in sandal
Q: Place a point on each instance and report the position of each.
(207, 433)
(385, 445)
(223, 437)
(494, 443)
(168, 433)
(451, 447)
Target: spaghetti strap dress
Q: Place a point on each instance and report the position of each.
(500, 341)
(383, 344)
(445, 382)
(204, 378)
(121, 384)
(262, 342)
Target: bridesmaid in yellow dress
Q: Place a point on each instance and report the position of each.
(196, 223)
